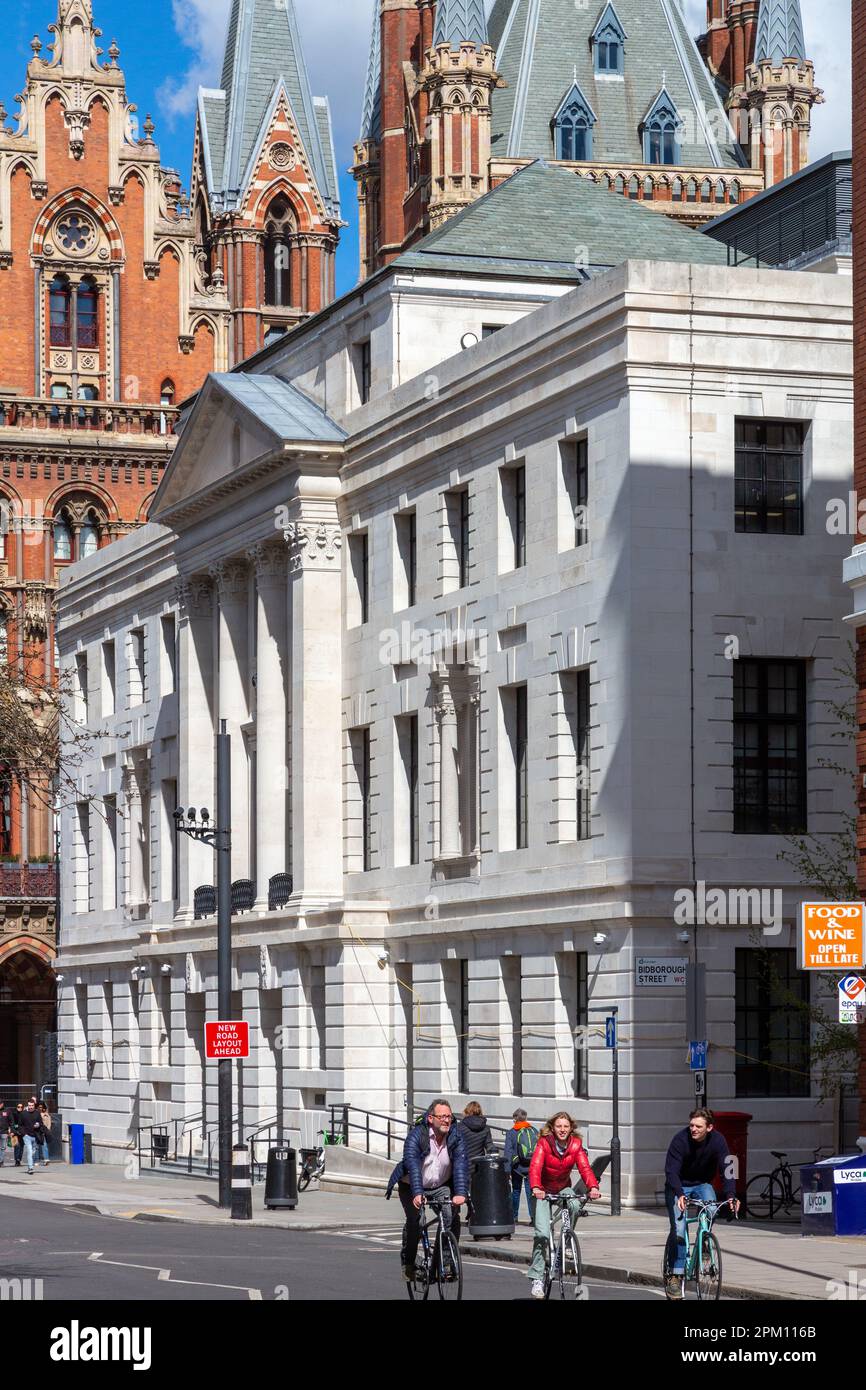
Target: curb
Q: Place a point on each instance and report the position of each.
(613, 1275)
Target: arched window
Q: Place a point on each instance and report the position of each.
(166, 400)
(608, 40)
(573, 124)
(734, 192)
(5, 809)
(4, 635)
(634, 186)
(62, 537)
(88, 536)
(61, 312)
(5, 526)
(648, 189)
(87, 313)
(677, 193)
(278, 254)
(60, 391)
(720, 191)
(692, 191)
(706, 191)
(661, 129)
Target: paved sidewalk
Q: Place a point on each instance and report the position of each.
(758, 1261)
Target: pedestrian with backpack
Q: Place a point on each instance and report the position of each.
(520, 1145)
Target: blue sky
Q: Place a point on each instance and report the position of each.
(168, 47)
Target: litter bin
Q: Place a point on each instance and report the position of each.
(734, 1125)
(76, 1144)
(491, 1212)
(833, 1196)
(281, 1179)
(159, 1147)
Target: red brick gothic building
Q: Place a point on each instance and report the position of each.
(117, 297)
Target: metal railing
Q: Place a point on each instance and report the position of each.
(28, 881)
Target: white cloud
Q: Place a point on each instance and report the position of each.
(201, 25)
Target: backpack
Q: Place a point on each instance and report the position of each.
(526, 1142)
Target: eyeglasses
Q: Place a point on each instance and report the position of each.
(442, 1118)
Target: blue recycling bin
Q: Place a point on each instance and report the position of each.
(76, 1144)
(833, 1196)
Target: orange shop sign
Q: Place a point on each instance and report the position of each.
(832, 936)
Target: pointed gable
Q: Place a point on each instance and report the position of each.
(263, 51)
(780, 32)
(609, 26)
(460, 21)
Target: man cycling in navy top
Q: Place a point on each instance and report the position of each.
(696, 1156)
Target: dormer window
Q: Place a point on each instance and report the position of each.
(572, 127)
(661, 128)
(608, 44)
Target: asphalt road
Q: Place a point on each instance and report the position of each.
(89, 1258)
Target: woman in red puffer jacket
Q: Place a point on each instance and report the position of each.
(558, 1152)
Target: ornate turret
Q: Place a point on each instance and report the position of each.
(780, 92)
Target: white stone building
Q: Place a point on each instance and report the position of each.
(511, 658)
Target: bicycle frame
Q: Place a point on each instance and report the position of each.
(561, 1221)
(707, 1213)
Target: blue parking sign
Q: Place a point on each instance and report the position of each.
(698, 1056)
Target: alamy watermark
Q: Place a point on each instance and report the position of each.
(729, 907)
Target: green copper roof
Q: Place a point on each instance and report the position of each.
(543, 47)
(780, 31)
(263, 52)
(546, 221)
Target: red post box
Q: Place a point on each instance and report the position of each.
(734, 1125)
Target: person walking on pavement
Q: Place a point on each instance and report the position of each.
(434, 1164)
(32, 1131)
(45, 1117)
(559, 1150)
(476, 1133)
(19, 1139)
(7, 1129)
(520, 1145)
(696, 1155)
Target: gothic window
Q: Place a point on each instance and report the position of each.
(74, 233)
(677, 193)
(5, 812)
(648, 189)
(61, 312)
(88, 536)
(279, 228)
(734, 192)
(661, 131)
(692, 191)
(60, 391)
(706, 191)
(5, 525)
(86, 312)
(573, 125)
(413, 158)
(62, 538)
(166, 400)
(608, 44)
(4, 636)
(633, 186)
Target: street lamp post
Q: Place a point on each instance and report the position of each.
(199, 827)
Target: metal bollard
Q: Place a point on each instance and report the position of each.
(242, 1187)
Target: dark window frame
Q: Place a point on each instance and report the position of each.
(755, 731)
(755, 460)
(772, 1034)
(463, 1027)
(521, 766)
(583, 787)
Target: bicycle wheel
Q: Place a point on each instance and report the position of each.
(419, 1287)
(708, 1267)
(570, 1271)
(449, 1270)
(764, 1197)
(303, 1179)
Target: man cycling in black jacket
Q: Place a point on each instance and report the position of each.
(696, 1156)
(434, 1164)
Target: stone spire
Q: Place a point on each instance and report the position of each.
(460, 21)
(780, 32)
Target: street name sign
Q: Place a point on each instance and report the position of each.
(832, 936)
(657, 971)
(226, 1039)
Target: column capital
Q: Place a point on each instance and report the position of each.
(271, 561)
(231, 578)
(194, 593)
(314, 545)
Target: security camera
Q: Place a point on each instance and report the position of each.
(60, 979)
(684, 937)
(601, 938)
(383, 959)
(165, 969)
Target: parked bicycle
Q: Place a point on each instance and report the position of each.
(438, 1260)
(313, 1160)
(768, 1194)
(703, 1264)
(564, 1267)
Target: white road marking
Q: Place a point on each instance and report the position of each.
(164, 1276)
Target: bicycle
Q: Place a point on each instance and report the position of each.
(703, 1264)
(768, 1193)
(438, 1260)
(563, 1264)
(312, 1166)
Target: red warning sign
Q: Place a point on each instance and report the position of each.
(223, 1040)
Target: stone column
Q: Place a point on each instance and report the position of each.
(196, 783)
(450, 843)
(271, 562)
(315, 545)
(232, 578)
